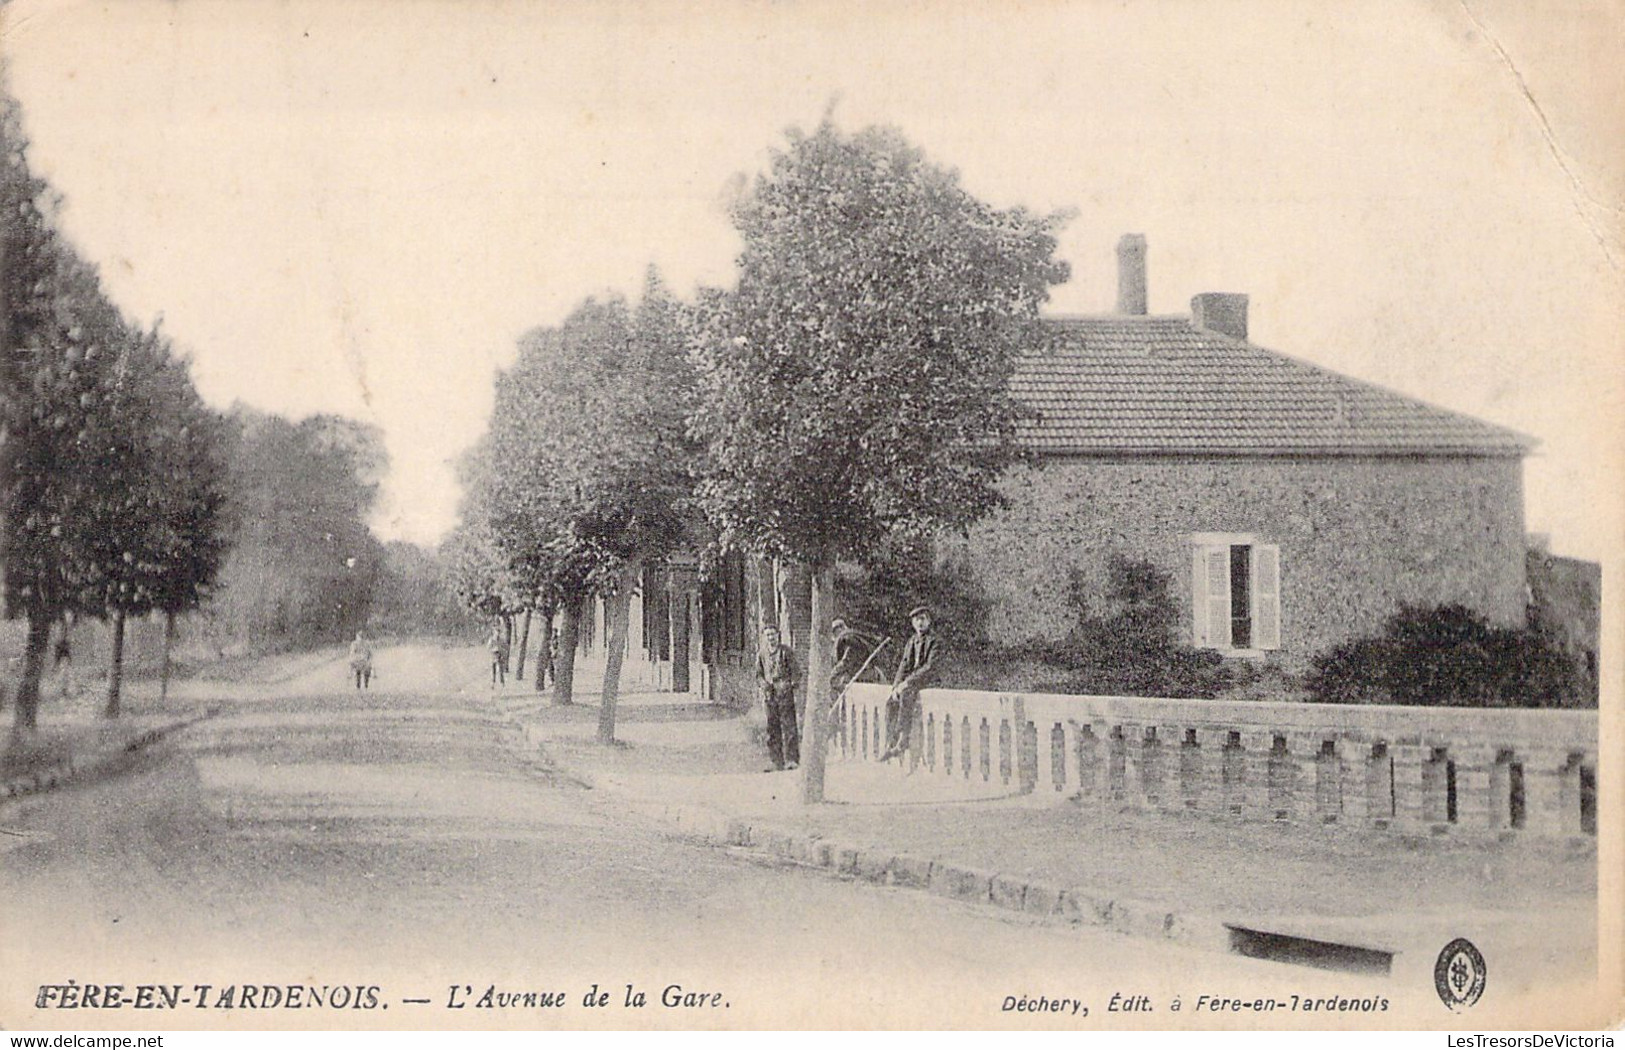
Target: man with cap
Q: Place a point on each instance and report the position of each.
(920, 657)
(776, 676)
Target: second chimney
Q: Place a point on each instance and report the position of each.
(1131, 274)
(1222, 312)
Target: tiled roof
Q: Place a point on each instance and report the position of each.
(1161, 385)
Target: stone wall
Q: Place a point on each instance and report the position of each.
(1358, 536)
(1424, 771)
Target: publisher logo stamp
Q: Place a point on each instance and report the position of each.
(1459, 974)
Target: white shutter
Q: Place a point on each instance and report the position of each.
(1199, 597)
(1210, 596)
(1218, 597)
(1266, 609)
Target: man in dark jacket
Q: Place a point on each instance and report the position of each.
(914, 672)
(776, 684)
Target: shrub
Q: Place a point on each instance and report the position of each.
(1129, 648)
(1446, 655)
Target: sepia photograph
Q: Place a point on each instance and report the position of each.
(1080, 516)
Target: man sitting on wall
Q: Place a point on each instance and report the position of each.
(920, 657)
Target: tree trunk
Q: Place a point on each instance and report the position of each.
(564, 674)
(524, 643)
(115, 666)
(507, 643)
(767, 597)
(163, 674)
(819, 662)
(544, 651)
(615, 631)
(26, 718)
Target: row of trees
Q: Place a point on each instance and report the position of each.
(111, 467)
(584, 477)
(123, 494)
(850, 390)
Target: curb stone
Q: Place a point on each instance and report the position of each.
(962, 883)
(1070, 906)
(68, 770)
(871, 865)
(1009, 893)
(1041, 900)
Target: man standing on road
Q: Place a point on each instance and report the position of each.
(62, 657)
(776, 684)
(547, 659)
(914, 671)
(361, 660)
(499, 656)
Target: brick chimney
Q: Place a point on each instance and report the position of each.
(1222, 312)
(1131, 274)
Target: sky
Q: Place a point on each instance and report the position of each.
(358, 208)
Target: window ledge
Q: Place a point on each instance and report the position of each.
(1244, 654)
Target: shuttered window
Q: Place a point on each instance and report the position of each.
(1236, 594)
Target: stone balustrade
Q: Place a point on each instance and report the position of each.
(1417, 770)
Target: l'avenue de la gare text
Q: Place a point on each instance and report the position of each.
(73, 995)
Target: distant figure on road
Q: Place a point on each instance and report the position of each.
(498, 644)
(62, 658)
(914, 671)
(361, 660)
(776, 684)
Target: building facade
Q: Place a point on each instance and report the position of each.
(1292, 507)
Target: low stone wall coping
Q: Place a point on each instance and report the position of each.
(1391, 723)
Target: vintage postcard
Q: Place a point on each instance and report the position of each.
(1066, 516)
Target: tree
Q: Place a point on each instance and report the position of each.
(303, 563)
(112, 484)
(157, 542)
(595, 480)
(476, 568)
(854, 384)
(417, 594)
(190, 461)
(502, 562)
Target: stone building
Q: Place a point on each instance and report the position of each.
(1293, 507)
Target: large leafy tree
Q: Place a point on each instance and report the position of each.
(854, 384)
(303, 563)
(477, 569)
(502, 562)
(110, 480)
(595, 478)
(158, 541)
(416, 595)
(196, 527)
